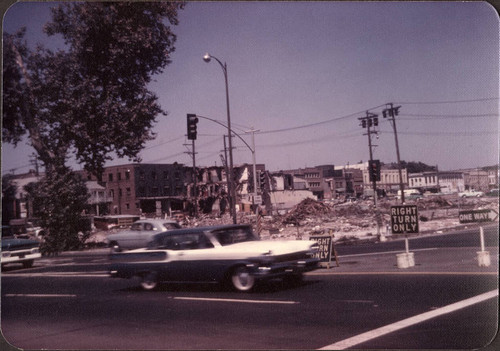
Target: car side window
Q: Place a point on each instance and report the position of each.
(171, 226)
(185, 242)
(233, 236)
(136, 226)
(148, 226)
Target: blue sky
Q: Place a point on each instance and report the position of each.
(315, 68)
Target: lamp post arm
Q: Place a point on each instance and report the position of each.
(225, 126)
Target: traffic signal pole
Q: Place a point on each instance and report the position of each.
(367, 122)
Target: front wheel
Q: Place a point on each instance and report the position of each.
(242, 279)
(114, 247)
(149, 281)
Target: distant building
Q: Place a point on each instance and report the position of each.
(317, 179)
(477, 179)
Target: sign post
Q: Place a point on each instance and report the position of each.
(326, 250)
(404, 220)
(478, 216)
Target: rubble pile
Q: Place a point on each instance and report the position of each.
(307, 208)
(348, 221)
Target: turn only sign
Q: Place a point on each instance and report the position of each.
(404, 219)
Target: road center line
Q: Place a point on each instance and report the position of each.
(361, 338)
(40, 295)
(236, 300)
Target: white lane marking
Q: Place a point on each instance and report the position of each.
(58, 274)
(361, 338)
(400, 273)
(387, 252)
(40, 295)
(236, 300)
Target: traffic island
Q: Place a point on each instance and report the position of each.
(405, 260)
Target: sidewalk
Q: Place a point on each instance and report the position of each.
(462, 260)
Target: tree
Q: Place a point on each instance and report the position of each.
(59, 200)
(414, 167)
(90, 98)
(9, 203)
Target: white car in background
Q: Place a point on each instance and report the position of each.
(139, 234)
(471, 193)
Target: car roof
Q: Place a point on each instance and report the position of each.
(195, 230)
(159, 221)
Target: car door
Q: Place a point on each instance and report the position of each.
(193, 258)
(144, 235)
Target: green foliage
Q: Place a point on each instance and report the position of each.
(91, 98)
(9, 190)
(60, 200)
(414, 167)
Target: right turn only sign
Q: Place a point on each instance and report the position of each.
(404, 219)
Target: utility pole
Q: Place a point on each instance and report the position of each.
(371, 120)
(252, 130)
(391, 112)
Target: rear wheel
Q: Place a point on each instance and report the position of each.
(149, 281)
(242, 279)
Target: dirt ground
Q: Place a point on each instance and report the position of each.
(347, 221)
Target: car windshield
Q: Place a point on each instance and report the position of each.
(234, 236)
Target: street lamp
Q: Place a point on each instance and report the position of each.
(207, 58)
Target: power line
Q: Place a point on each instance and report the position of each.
(466, 133)
(445, 102)
(318, 123)
(449, 116)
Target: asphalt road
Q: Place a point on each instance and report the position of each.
(446, 302)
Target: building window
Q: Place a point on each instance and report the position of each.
(127, 175)
(128, 191)
(110, 177)
(119, 176)
(154, 175)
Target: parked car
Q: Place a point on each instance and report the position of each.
(139, 234)
(229, 254)
(471, 193)
(18, 250)
(493, 193)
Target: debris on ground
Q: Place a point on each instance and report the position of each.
(348, 222)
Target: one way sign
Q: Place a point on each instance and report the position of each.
(474, 216)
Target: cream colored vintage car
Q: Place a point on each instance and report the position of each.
(230, 254)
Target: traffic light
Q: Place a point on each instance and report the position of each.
(262, 180)
(192, 120)
(374, 170)
(375, 121)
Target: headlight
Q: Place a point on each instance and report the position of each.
(35, 250)
(6, 254)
